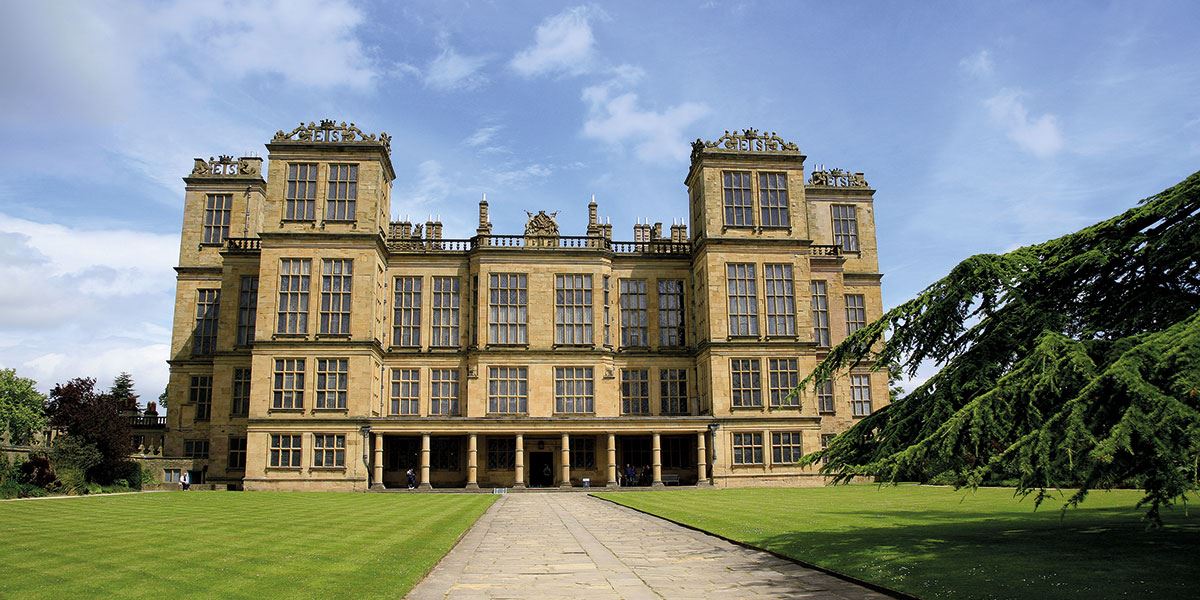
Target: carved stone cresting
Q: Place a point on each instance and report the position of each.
(541, 224)
(748, 140)
(225, 166)
(329, 131)
(837, 178)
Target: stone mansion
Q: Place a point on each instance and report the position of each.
(318, 344)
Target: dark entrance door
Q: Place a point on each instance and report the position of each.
(541, 469)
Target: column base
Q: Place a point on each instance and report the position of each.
(657, 484)
(565, 486)
(518, 486)
(705, 483)
(424, 486)
(472, 486)
(377, 486)
(612, 485)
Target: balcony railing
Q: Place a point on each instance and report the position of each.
(147, 422)
(825, 250)
(539, 242)
(243, 245)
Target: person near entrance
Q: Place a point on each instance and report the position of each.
(629, 474)
(547, 474)
(185, 480)
(412, 478)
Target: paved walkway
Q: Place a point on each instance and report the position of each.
(576, 546)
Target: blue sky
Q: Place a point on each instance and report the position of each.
(983, 126)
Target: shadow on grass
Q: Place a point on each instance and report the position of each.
(953, 554)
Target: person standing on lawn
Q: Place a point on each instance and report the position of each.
(185, 480)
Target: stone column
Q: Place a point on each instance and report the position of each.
(766, 449)
(657, 455)
(519, 482)
(701, 460)
(566, 462)
(472, 462)
(425, 485)
(612, 461)
(377, 464)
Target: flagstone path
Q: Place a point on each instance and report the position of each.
(570, 545)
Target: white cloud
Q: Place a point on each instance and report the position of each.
(85, 302)
(1038, 135)
(563, 43)
(516, 177)
(615, 116)
(978, 64)
(454, 71)
(431, 187)
(482, 136)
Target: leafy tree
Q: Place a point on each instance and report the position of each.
(122, 392)
(162, 399)
(22, 407)
(96, 419)
(1074, 362)
(70, 451)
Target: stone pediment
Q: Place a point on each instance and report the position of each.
(542, 224)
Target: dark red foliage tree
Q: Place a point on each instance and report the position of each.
(95, 418)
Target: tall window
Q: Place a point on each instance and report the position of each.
(773, 199)
(786, 447)
(820, 312)
(783, 377)
(743, 299)
(747, 449)
(678, 452)
(343, 191)
(739, 210)
(856, 312)
(860, 395)
(845, 227)
(204, 338)
(501, 453)
(443, 392)
(406, 312)
(332, 382)
(300, 201)
(508, 390)
(285, 451)
(406, 391)
(635, 391)
(573, 309)
(216, 218)
(745, 381)
(329, 451)
(195, 448)
(607, 320)
(508, 300)
(237, 454)
(574, 390)
(445, 312)
(239, 396)
(673, 391)
(200, 394)
(289, 383)
(781, 299)
(670, 312)
(293, 295)
(635, 321)
(583, 453)
(247, 309)
(825, 403)
(337, 275)
(826, 439)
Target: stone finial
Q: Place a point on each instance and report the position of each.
(593, 226)
(656, 232)
(485, 225)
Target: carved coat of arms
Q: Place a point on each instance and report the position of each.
(541, 224)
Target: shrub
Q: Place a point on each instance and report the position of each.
(127, 473)
(94, 488)
(11, 488)
(73, 482)
(37, 470)
(71, 451)
(9, 470)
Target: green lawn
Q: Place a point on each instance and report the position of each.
(938, 543)
(228, 544)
